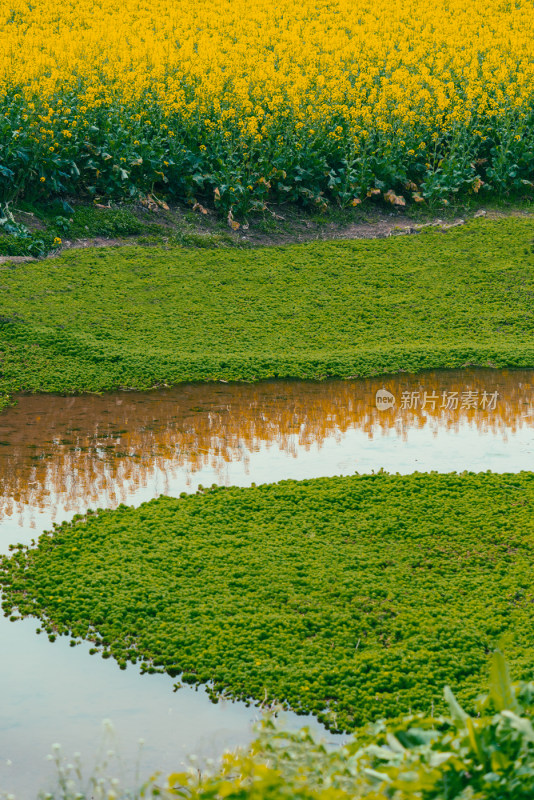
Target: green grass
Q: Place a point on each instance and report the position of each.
(352, 598)
(117, 222)
(93, 320)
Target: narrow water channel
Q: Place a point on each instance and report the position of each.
(59, 456)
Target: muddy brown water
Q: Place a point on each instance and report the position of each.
(61, 455)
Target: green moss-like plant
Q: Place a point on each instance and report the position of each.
(351, 598)
(88, 221)
(138, 317)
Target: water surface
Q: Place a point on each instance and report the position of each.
(61, 455)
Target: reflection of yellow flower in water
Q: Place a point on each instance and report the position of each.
(289, 416)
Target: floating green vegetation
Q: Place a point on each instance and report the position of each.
(352, 598)
(100, 319)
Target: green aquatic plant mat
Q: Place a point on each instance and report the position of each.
(352, 598)
(99, 319)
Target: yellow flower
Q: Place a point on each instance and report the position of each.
(346, 73)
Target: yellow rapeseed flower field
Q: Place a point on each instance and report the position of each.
(240, 103)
